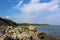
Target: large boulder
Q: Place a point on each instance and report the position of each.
(32, 28)
(41, 35)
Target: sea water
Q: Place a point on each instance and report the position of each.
(50, 30)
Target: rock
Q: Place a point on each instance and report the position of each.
(8, 38)
(23, 36)
(32, 28)
(23, 33)
(1, 37)
(47, 37)
(41, 35)
(14, 35)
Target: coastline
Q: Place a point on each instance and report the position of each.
(24, 32)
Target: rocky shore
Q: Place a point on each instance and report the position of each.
(24, 33)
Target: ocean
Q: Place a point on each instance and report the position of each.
(50, 30)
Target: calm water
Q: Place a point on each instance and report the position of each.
(50, 30)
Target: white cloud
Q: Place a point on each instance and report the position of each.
(18, 5)
(31, 7)
(35, 1)
(52, 19)
(7, 17)
(53, 8)
(34, 5)
(33, 10)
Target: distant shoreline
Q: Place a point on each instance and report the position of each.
(27, 24)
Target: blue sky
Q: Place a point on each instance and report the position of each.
(31, 11)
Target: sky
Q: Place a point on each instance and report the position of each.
(31, 11)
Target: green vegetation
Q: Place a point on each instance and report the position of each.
(8, 22)
(27, 24)
(12, 23)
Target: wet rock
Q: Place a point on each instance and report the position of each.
(47, 37)
(41, 35)
(8, 38)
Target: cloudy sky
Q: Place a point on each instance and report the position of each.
(31, 11)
